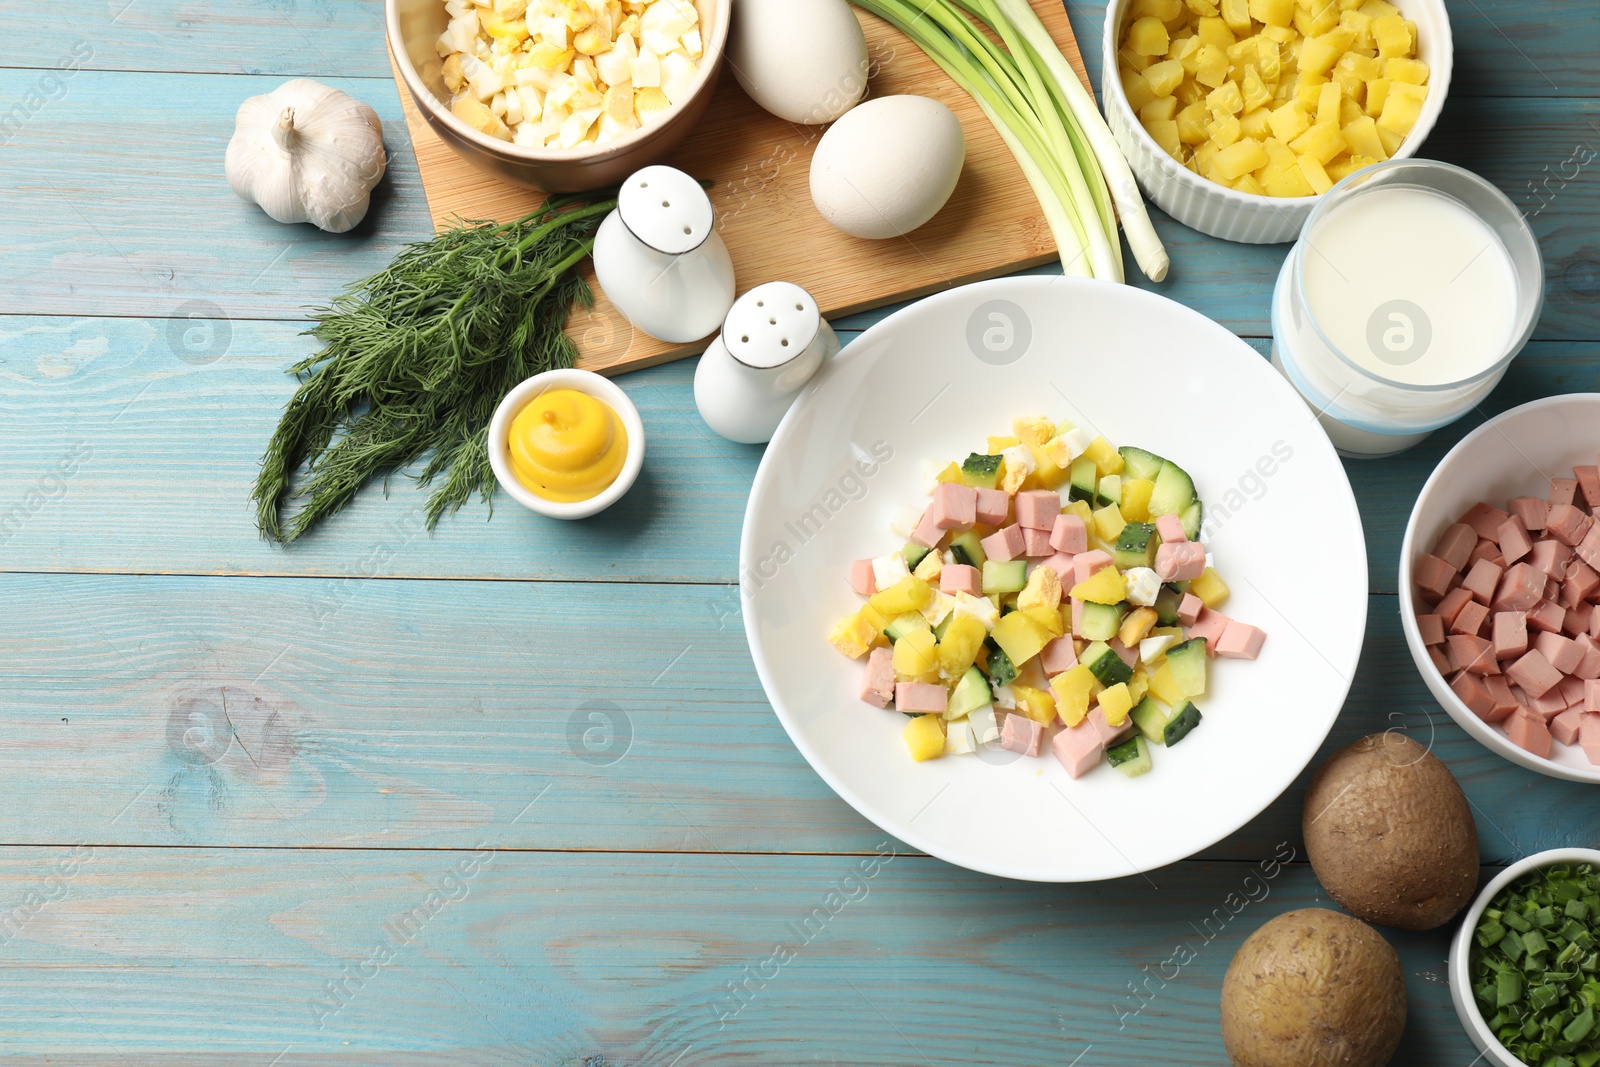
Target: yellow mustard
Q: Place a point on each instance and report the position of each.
(567, 446)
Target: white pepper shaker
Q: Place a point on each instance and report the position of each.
(660, 259)
(773, 342)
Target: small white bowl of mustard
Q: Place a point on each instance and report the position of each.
(566, 443)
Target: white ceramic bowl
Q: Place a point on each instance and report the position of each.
(1472, 1020)
(1514, 454)
(930, 382)
(584, 382)
(1217, 210)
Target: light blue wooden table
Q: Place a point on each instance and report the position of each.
(386, 844)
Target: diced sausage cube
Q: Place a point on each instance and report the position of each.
(1563, 654)
(1510, 634)
(955, 506)
(1058, 656)
(1589, 737)
(1210, 625)
(1548, 616)
(877, 678)
(1527, 731)
(1514, 541)
(1488, 550)
(1534, 674)
(1037, 509)
(1433, 576)
(1484, 519)
(1109, 735)
(1580, 584)
(1441, 662)
(1521, 588)
(1475, 695)
(1549, 557)
(1589, 549)
(926, 697)
(1130, 656)
(1470, 653)
(1590, 667)
(1079, 749)
(1180, 562)
(1500, 691)
(1005, 544)
(1482, 581)
(1086, 565)
(1564, 727)
(1036, 543)
(1571, 691)
(1580, 617)
(1455, 600)
(1190, 607)
(1061, 563)
(1455, 545)
(1568, 524)
(1470, 619)
(992, 506)
(1240, 641)
(1531, 512)
(928, 531)
(1588, 484)
(1563, 491)
(861, 577)
(960, 578)
(1170, 529)
(1591, 696)
(1021, 734)
(1431, 627)
(1548, 706)
(1070, 534)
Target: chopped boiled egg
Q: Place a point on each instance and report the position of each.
(1143, 586)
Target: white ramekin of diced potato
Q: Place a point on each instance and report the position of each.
(1236, 115)
(560, 95)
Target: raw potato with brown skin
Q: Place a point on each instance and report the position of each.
(1313, 988)
(1390, 834)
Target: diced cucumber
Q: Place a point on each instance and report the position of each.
(1109, 491)
(901, 625)
(980, 471)
(970, 694)
(1188, 664)
(1167, 606)
(1083, 478)
(1136, 546)
(1137, 464)
(913, 554)
(1174, 491)
(966, 550)
(1009, 577)
(1151, 720)
(1182, 720)
(1002, 671)
(1132, 757)
(1105, 664)
(1100, 622)
(1192, 517)
(938, 631)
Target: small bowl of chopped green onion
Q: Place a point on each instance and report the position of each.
(1525, 964)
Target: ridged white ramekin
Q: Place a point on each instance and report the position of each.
(1222, 212)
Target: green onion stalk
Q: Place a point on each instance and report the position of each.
(1048, 120)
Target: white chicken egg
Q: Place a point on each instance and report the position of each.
(802, 60)
(888, 166)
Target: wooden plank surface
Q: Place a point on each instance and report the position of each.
(759, 167)
(159, 907)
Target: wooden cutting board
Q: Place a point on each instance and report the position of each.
(760, 165)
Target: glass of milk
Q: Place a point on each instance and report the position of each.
(1412, 287)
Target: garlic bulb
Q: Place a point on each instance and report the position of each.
(307, 153)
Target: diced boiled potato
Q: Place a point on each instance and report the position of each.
(1225, 131)
(1211, 66)
(1236, 13)
(1164, 77)
(1407, 71)
(1280, 158)
(1362, 138)
(1351, 84)
(1292, 182)
(924, 737)
(1254, 91)
(1134, 86)
(1344, 166)
(1392, 36)
(1360, 24)
(1315, 17)
(1364, 67)
(1288, 122)
(1324, 143)
(1377, 96)
(1182, 49)
(1273, 12)
(1403, 107)
(1391, 140)
(1191, 92)
(1211, 590)
(1192, 122)
(852, 635)
(1375, 9)
(1164, 132)
(1240, 159)
(1148, 37)
(1248, 184)
(1162, 10)
(1204, 156)
(1269, 59)
(1162, 107)
(1203, 8)
(1328, 104)
(1215, 32)
(1256, 124)
(1071, 690)
(1319, 54)
(1316, 176)
(1136, 62)
(1225, 99)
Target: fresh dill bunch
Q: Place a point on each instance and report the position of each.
(416, 358)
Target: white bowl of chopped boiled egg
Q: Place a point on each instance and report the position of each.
(1236, 115)
(560, 95)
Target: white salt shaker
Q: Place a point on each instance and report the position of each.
(660, 260)
(773, 342)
